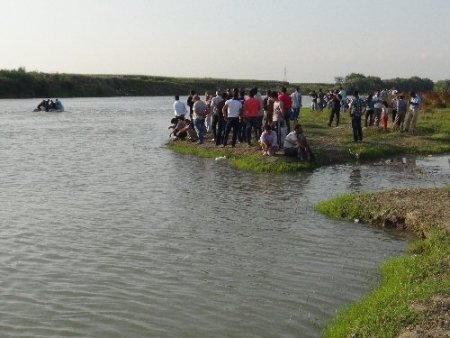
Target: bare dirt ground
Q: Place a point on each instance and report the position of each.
(435, 319)
(415, 210)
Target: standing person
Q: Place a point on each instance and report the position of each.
(401, 112)
(190, 103)
(268, 108)
(179, 108)
(287, 106)
(215, 113)
(219, 120)
(208, 119)
(278, 123)
(413, 113)
(355, 108)
(314, 100)
(343, 94)
(232, 111)
(321, 100)
(242, 137)
(200, 112)
(251, 111)
(384, 115)
(377, 107)
(369, 111)
(296, 104)
(335, 109)
(259, 124)
(393, 106)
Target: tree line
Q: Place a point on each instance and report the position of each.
(19, 83)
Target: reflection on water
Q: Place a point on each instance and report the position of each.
(106, 233)
(355, 179)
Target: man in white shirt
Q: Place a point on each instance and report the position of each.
(269, 141)
(413, 112)
(377, 107)
(179, 108)
(232, 110)
(295, 144)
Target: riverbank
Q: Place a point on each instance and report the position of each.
(413, 298)
(334, 145)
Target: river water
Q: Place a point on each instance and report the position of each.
(106, 233)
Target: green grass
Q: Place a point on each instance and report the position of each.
(254, 162)
(416, 276)
(404, 280)
(257, 163)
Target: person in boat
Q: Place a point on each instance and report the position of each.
(47, 105)
(51, 105)
(58, 105)
(42, 105)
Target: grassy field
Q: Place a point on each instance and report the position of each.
(414, 292)
(335, 145)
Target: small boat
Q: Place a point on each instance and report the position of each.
(50, 106)
(48, 110)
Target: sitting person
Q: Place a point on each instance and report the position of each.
(179, 128)
(189, 129)
(295, 144)
(58, 105)
(269, 141)
(42, 105)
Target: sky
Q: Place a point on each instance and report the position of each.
(298, 40)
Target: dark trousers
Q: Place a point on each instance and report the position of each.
(332, 114)
(357, 130)
(220, 123)
(252, 122)
(232, 123)
(369, 117)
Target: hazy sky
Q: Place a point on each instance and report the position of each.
(315, 40)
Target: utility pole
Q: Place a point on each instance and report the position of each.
(285, 75)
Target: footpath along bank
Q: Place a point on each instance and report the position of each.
(413, 298)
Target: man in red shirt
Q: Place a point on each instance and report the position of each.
(252, 107)
(287, 104)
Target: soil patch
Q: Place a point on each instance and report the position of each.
(435, 320)
(415, 210)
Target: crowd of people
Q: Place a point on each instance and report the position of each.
(377, 107)
(252, 119)
(266, 121)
